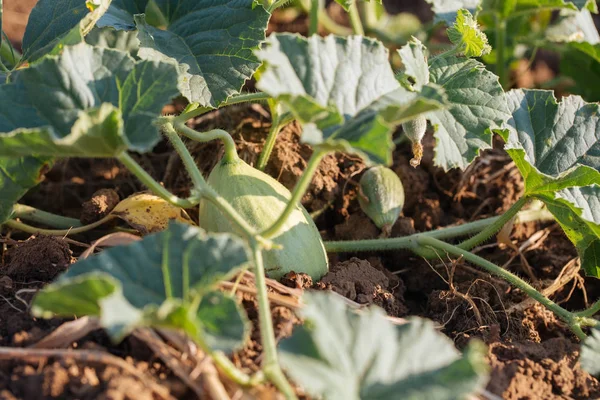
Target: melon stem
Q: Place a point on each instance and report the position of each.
(270, 366)
(215, 134)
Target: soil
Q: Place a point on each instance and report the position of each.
(99, 206)
(531, 353)
(40, 258)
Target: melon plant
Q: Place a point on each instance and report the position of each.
(69, 94)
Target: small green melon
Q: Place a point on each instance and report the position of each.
(381, 196)
(260, 199)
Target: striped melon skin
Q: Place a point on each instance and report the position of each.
(382, 196)
(260, 199)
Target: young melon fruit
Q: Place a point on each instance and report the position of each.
(415, 130)
(260, 199)
(381, 197)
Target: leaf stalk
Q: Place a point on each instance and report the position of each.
(355, 21)
(43, 217)
(271, 367)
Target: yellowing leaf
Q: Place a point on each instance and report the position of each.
(148, 213)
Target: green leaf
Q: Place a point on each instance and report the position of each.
(343, 91)
(576, 211)
(590, 353)
(223, 321)
(17, 176)
(573, 27)
(557, 150)
(334, 356)
(64, 107)
(56, 23)
(581, 62)
(76, 297)
(212, 43)
(120, 14)
(477, 105)
(111, 38)
(466, 35)
(414, 59)
(152, 282)
(550, 140)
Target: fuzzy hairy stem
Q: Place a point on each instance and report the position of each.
(271, 367)
(215, 134)
(442, 233)
(187, 159)
(156, 187)
(355, 20)
(43, 217)
(494, 227)
(276, 125)
(313, 18)
(57, 232)
(196, 110)
(279, 121)
(325, 20)
(590, 311)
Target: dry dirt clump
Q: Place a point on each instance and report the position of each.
(548, 370)
(39, 258)
(99, 206)
(361, 282)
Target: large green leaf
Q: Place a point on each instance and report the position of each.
(87, 101)
(212, 42)
(154, 282)
(552, 142)
(557, 150)
(414, 59)
(335, 355)
(590, 353)
(477, 105)
(56, 23)
(17, 176)
(576, 210)
(111, 38)
(224, 323)
(573, 26)
(343, 91)
(120, 14)
(581, 62)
